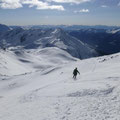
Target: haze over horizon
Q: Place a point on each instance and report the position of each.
(60, 12)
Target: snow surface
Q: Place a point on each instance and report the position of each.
(41, 86)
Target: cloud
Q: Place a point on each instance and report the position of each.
(119, 4)
(39, 4)
(42, 5)
(13, 4)
(69, 1)
(82, 11)
(104, 6)
(10, 4)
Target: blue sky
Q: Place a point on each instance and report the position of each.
(57, 12)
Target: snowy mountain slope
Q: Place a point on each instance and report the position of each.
(34, 38)
(62, 40)
(103, 41)
(52, 94)
(9, 65)
(114, 31)
(25, 61)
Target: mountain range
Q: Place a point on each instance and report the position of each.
(39, 38)
(103, 41)
(79, 41)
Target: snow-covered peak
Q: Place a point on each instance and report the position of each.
(55, 31)
(113, 31)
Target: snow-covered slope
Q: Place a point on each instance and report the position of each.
(62, 40)
(38, 38)
(52, 94)
(23, 61)
(36, 78)
(114, 31)
(10, 65)
(104, 41)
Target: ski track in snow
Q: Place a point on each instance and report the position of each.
(52, 94)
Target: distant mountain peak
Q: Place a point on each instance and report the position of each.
(4, 28)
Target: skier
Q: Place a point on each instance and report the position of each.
(75, 71)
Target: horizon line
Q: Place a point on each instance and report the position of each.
(62, 25)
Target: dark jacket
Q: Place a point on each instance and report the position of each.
(75, 72)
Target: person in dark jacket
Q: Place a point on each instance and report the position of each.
(75, 71)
